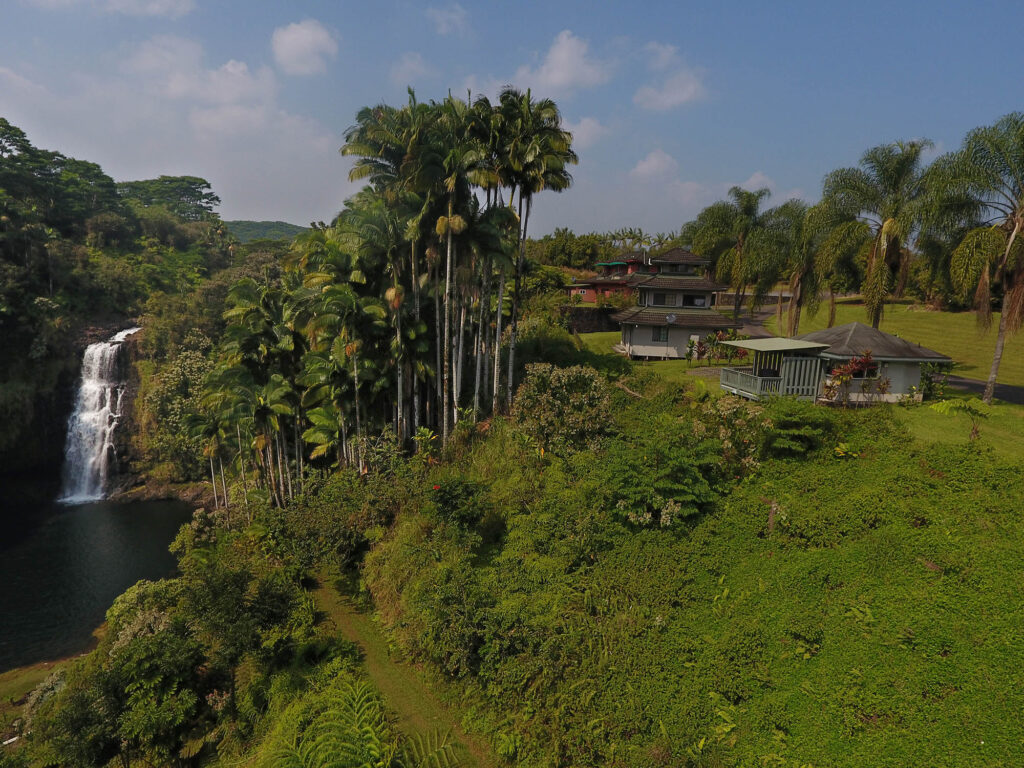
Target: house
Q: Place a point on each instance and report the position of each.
(675, 303)
(616, 278)
(811, 366)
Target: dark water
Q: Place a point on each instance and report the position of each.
(62, 566)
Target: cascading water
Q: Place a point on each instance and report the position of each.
(90, 440)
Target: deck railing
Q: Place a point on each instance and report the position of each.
(746, 383)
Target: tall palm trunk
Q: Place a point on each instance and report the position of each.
(213, 480)
(400, 383)
(241, 465)
(831, 307)
(298, 451)
(460, 358)
(990, 385)
(359, 427)
(446, 381)
(416, 314)
(280, 465)
(223, 483)
(1004, 312)
(496, 387)
(437, 346)
(517, 297)
(795, 305)
(481, 335)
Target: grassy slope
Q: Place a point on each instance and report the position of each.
(952, 333)
(875, 623)
(418, 711)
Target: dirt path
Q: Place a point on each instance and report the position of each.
(419, 711)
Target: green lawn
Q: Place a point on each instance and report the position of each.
(952, 333)
(1002, 431)
(674, 371)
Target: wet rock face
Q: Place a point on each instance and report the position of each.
(126, 450)
(35, 405)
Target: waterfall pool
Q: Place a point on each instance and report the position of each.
(61, 566)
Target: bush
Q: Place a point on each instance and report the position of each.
(457, 501)
(797, 428)
(563, 409)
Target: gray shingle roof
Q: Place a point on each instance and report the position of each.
(683, 318)
(679, 256)
(855, 339)
(682, 283)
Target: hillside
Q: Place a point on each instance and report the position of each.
(247, 231)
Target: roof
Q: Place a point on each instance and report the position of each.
(854, 339)
(774, 344)
(683, 283)
(634, 279)
(628, 256)
(609, 264)
(684, 318)
(679, 256)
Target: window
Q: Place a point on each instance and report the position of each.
(871, 372)
(694, 301)
(660, 334)
(660, 299)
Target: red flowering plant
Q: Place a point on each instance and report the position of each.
(864, 368)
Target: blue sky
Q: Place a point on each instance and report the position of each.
(671, 103)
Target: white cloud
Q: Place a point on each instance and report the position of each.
(173, 9)
(759, 180)
(166, 111)
(586, 132)
(683, 86)
(174, 66)
(409, 69)
(481, 86)
(661, 55)
(657, 165)
(567, 65)
(12, 82)
(451, 20)
(302, 48)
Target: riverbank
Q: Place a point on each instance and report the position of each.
(16, 685)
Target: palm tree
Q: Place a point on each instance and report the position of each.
(988, 169)
(887, 192)
(537, 153)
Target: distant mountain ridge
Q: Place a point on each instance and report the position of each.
(247, 231)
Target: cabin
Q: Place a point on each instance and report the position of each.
(676, 302)
(807, 366)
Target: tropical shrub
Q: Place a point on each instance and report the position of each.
(563, 409)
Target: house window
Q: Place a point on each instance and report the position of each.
(695, 301)
(660, 299)
(660, 333)
(871, 372)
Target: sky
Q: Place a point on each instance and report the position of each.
(670, 103)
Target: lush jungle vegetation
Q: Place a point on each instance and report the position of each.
(79, 251)
(600, 566)
(247, 231)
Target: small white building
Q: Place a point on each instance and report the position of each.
(804, 366)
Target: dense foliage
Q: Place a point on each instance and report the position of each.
(77, 250)
(247, 231)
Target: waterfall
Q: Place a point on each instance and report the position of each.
(90, 441)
